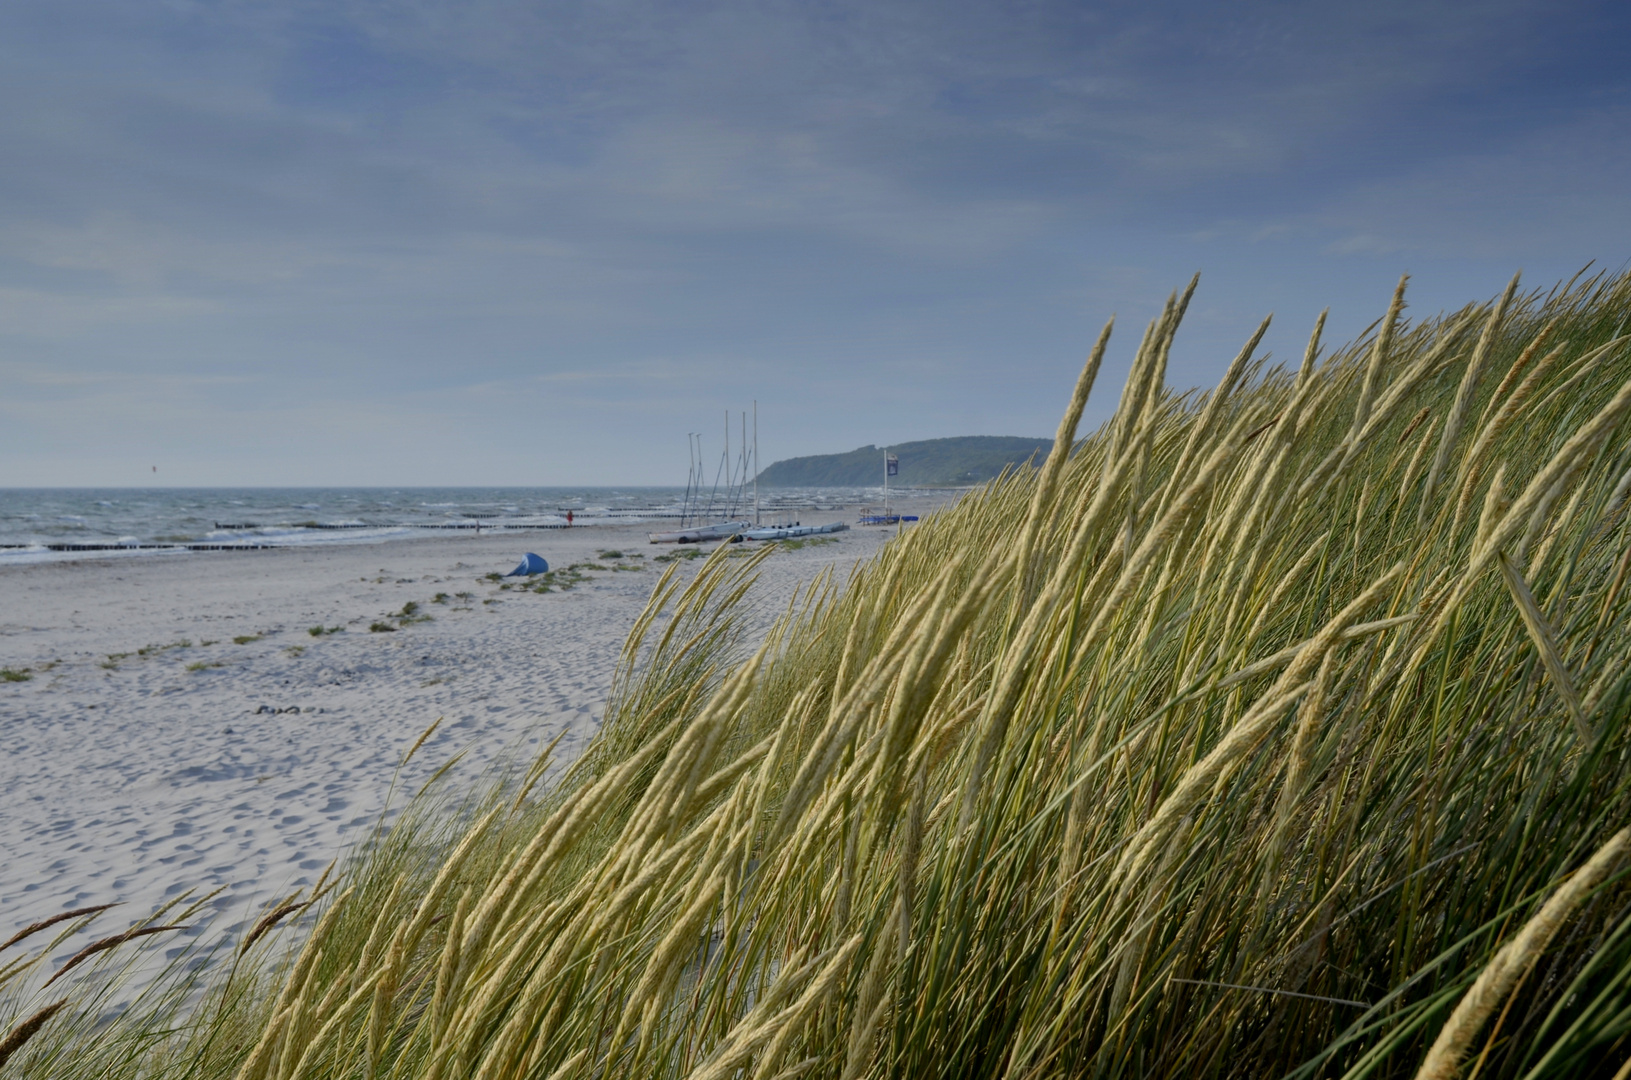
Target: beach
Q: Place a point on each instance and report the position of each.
(182, 728)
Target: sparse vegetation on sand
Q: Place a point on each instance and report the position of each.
(1276, 731)
(797, 542)
(411, 614)
(564, 579)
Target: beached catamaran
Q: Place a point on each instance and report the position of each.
(724, 530)
(745, 529)
(789, 532)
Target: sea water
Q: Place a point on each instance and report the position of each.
(35, 521)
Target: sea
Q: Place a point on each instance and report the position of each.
(47, 524)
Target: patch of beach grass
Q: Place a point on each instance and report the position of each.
(794, 543)
(245, 639)
(323, 631)
(204, 665)
(1285, 732)
(15, 674)
(561, 580)
(411, 614)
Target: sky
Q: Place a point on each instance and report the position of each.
(403, 242)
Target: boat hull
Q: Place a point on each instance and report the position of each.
(789, 532)
(699, 535)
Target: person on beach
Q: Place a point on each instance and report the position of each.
(569, 519)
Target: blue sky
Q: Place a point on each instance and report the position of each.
(538, 243)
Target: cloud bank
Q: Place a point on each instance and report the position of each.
(537, 243)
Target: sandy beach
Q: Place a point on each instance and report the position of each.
(182, 728)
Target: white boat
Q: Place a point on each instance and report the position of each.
(702, 533)
(788, 532)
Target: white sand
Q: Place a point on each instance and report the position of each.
(132, 780)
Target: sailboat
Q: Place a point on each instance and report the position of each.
(702, 533)
(735, 474)
(789, 532)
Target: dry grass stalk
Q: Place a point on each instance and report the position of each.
(1378, 356)
(266, 922)
(1546, 644)
(26, 1030)
(1310, 354)
(1514, 958)
(423, 735)
(1463, 397)
(44, 924)
(108, 943)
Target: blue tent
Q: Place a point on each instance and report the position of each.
(530, 565)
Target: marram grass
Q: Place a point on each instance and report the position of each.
(1275, 731)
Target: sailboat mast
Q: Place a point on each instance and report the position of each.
(690, 475)
(735, 495)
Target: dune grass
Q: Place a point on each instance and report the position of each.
(1276, 731)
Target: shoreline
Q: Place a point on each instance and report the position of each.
(53, 525)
